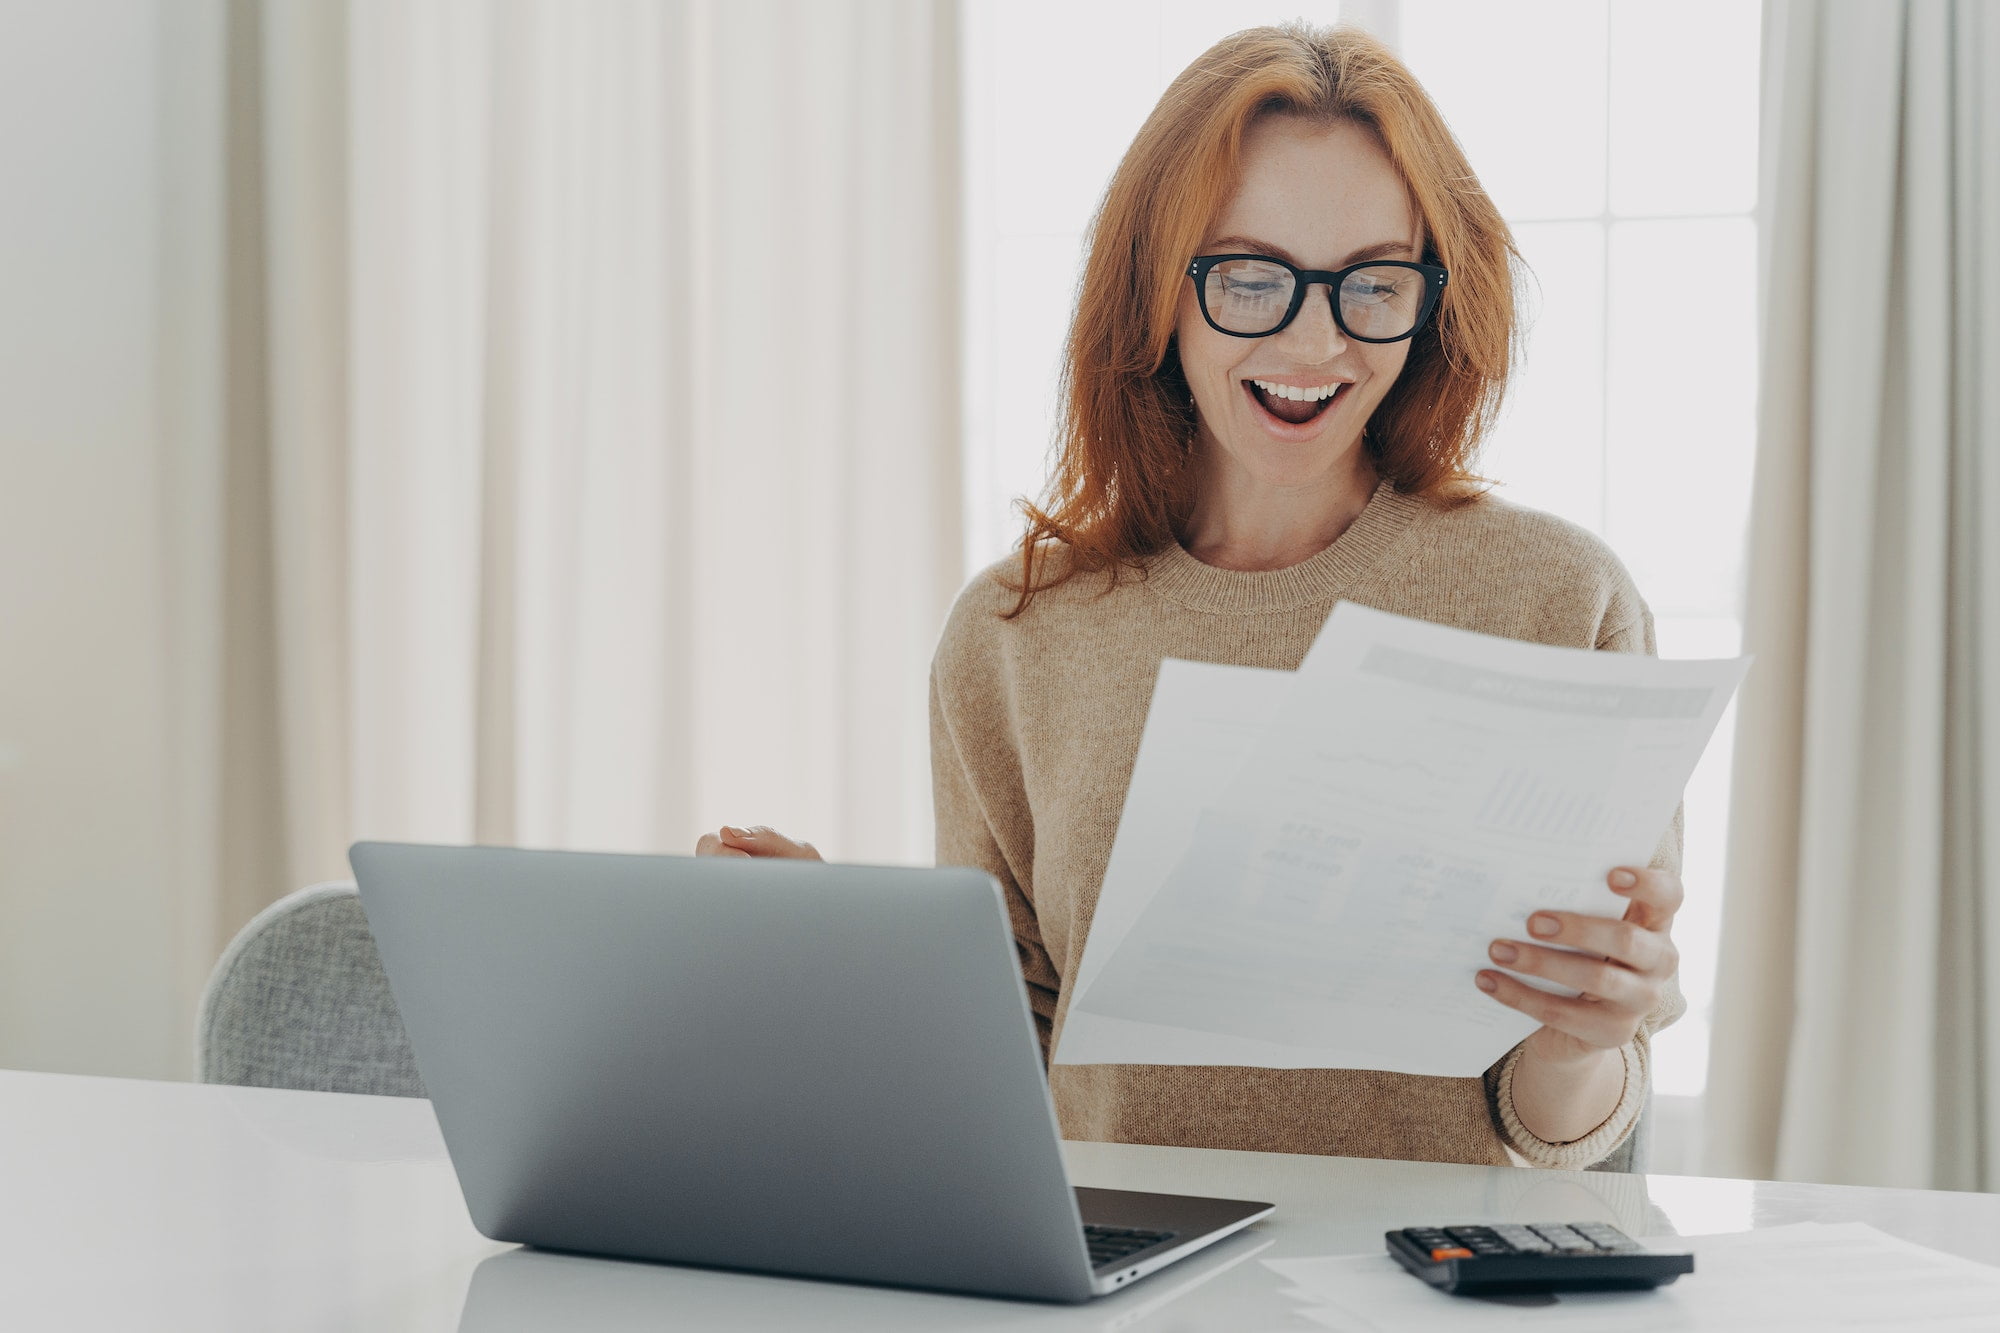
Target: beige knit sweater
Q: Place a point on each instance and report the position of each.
(1035, 724)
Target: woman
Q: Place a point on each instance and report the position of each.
(1295, 324)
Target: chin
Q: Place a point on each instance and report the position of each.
(1276, 464)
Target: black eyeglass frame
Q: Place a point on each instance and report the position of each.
(1434, 277)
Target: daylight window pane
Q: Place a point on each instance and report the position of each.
(1072, 83)
(1684, 107)
(1548, 451)
(1522, 85)
(1034, 280)
(1680, 1053)
(1681, 408)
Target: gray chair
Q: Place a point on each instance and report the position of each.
(299, 1000)
(1631, 1154)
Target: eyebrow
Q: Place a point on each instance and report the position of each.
(1379, 250)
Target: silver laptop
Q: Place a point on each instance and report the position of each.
(782, 1066)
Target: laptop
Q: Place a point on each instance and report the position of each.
(782, 1066)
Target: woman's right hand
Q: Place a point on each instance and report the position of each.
(756, 840)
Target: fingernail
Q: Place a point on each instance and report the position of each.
(1623, 879)
(1541, 923)
(1486, 983)
(1503, 952)
(737, 833)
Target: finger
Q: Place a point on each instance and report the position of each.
(1608, 982)
(1625, 942)
(1656, 895)
(1589, 1022)
(758, 840)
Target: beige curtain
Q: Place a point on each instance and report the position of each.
(1857, 1013)
(580, 465)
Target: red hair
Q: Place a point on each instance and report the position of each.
(1123, 488)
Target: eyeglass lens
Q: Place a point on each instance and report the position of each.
(1252, 295)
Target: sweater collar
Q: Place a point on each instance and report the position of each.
(1315, 581)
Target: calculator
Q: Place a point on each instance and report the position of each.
(1508, 1257)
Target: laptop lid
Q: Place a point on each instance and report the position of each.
(761, 1064)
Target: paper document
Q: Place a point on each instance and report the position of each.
(1806, 1278)
(1311, 864)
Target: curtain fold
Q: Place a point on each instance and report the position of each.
(1857, 1012)
(602, 469)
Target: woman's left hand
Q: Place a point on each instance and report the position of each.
(1622, 968)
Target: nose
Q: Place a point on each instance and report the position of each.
(1314, 333)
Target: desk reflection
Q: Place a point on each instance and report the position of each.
(520, 1290)
(1325, 1207)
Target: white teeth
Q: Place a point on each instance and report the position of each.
(1298, 395)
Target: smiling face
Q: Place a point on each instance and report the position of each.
(1322, 198)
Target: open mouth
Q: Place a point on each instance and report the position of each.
(1293, 406)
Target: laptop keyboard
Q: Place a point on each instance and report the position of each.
(1110, 1245)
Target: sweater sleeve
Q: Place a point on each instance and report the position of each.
(982, 814)
(1631, 636)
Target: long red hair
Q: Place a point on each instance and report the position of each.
(1122, 488)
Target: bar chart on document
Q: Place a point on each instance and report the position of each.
(1409, 794)
(1522, 802)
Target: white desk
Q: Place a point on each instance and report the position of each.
(139, 1206)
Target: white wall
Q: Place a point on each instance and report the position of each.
(85, 790)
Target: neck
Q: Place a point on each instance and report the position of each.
(1242, 522)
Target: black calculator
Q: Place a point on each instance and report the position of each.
(1509, 1257)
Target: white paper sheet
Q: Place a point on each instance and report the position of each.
(1792, 1279)
(1203, 721)
(1310, 865)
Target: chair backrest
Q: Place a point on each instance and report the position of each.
(1631, 1154)
(299, 1000)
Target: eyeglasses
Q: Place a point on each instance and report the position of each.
(1254, 296)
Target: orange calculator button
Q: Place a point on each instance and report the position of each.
(1455, 1252)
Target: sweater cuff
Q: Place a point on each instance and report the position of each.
(1591, 1148)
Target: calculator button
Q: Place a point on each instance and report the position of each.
(1564, 1238)
(1604, 1235)
(1457, 1252)
(1522, 1238)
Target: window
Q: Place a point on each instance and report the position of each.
(1620, 142)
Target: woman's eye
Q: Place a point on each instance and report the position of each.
(1238, 287)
